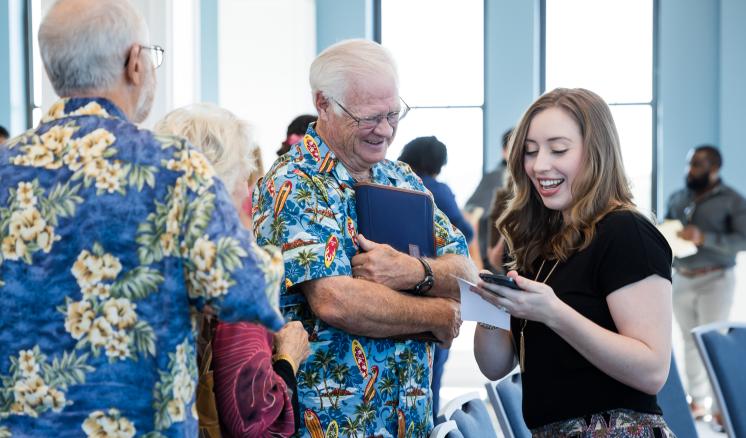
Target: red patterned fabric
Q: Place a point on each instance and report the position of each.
(252, 399)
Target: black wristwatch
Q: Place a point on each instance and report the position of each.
(427, 283)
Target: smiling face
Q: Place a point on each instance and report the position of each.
(553, 157)
(359, 149)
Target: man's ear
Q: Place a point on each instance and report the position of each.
(322, 103)
(133, 69)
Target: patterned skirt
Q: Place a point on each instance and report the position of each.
(618, 423)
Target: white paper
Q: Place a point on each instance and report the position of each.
(680, 247)
(474, 308)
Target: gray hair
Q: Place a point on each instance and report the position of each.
(348, 60)
(84, 45)
(225, 139)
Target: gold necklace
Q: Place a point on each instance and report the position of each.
(522, 349)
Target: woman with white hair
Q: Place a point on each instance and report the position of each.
(255, 396)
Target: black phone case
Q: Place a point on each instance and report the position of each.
(500, 280)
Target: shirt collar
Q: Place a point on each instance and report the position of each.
(83, 106)
(326, 161)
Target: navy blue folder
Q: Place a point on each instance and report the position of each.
(400, 217)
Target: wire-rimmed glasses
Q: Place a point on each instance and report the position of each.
(370, 123)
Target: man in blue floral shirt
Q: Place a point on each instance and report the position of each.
(108, 235)
(347, 290)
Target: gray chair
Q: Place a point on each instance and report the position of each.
(471, 416)
(722, 346)
(447, 429)
(672, 400)
(506, 396)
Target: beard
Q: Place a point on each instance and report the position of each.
(145, 99)
(697, 183)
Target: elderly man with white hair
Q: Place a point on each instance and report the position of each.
(359, 299)
(109, 233)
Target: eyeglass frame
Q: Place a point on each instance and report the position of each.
(157, 54)
(377, 118)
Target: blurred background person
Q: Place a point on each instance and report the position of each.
(254, 395)
(714, 219)
(4, 135)
(427, 156)
(296, 131)
(480, 203)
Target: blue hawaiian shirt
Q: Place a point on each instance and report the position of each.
(350, 385)
(108, 235)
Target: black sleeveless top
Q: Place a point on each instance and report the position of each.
(558, 383)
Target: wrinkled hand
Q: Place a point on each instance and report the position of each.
(536, 301)
(382, 264)
(292, 339)
(448, 321)
(693, 234)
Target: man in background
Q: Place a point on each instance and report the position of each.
(714, 219)
(111, 234)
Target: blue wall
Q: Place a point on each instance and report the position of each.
(689, 86)
(511, 82)
(733, 91)
(209, 73)
(337, 20)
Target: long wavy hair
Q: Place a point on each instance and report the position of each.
(535, 232)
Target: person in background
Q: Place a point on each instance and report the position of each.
(296, 131)
(4, 135)
(362, 301)
(480, 202)
(714, 219)
(591, 325)
(427, 156)
(113, 234)
(255, 390)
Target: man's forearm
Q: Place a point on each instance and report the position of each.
(445, 269)
(365, 308)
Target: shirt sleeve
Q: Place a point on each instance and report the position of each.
(295, 211)
(734, 238)
(630, 249)
(222, 264)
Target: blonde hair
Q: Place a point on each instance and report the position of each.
(533, 231)
(225, 139)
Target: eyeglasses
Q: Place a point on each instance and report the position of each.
(156, 54)
(369, 123)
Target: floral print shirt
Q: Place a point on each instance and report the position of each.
(350, 385)
(108, 235)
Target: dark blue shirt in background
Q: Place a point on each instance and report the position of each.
(445, 200)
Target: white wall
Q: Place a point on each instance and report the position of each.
(265, 50)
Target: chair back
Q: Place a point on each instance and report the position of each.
(471, 416)
(722, 346)
(672, 400)
(506, 396)
(447, 429)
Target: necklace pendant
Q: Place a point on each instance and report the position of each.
(522, 353)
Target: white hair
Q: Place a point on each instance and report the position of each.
(84, 44)
(342, 63)
(225, 139)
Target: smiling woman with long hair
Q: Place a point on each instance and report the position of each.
(591, 327)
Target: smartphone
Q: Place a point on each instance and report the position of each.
(500, 280)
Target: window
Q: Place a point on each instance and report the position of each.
(607, 47)
(265, 52)
(440, 57)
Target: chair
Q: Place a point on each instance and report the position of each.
(471, 416)
(448, 429)
(722, 346)
(672, 400)
(506, 396)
